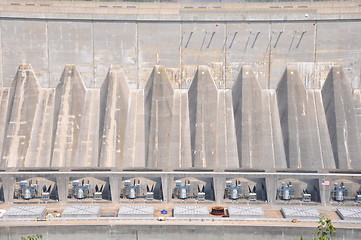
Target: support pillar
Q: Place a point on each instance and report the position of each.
(271, 188)
(324, 187)
(167, 182)
(218, 188)
(114, 182)
(62, 184)
(8, 187)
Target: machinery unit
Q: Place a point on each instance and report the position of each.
(339, 192)
(45, 195)
(182, 191)
(131, 191)
(139, 188)
(252, 194)
(190, 188)
(286, 192)
(80, 191)
(98, 195)
(150, 193)
(28, 190)
(201, 197)
(306, 196)
(233, 191)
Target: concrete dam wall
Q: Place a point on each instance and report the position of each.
(180, 87)
(161, 127)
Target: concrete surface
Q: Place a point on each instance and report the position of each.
(81, 211)
(136, 211)
(300, 212)
(228, 91)
(25, 212)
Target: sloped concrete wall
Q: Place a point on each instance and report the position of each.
(160, 127)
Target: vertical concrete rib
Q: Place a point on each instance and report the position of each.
(134, 153)
(4, 98)
(300, 124)
(180, 155)
(39, 153)
(341, 120)
(258, 137)
(227, 156)
(247, 107)
(69, 104)
(24, 95)
(203, 100)
(272, 143)
(114, 104)
(158, 106)
(87, 151)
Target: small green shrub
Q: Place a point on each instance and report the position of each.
(325, 230)
(33, 237)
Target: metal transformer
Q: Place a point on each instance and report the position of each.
(233, 191)
(80, 191)
(131, 191)
(339, 192)
(286, 192)
(27, 190)
(181, 191)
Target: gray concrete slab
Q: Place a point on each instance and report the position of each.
(245, 212)
(300, 212)
(136, 211)
(349, 213)
(81, 211)
(24, 212)
(188, 211)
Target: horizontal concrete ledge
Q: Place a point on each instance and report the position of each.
(180, 221)
(171, 221)
(203, 174)
(224, 16)
(181, 12)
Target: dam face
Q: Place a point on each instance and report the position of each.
(167, 86)
(175, 101)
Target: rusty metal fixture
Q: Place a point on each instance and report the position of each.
(217, 211)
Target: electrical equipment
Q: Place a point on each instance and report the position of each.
(138, 188)
(131, 191)
(201, 195)
(181, 191)
(80, 191)
(28, 190)
(98, 195)
(45, 195)
(190, 188)
(286, 192)
(233, 191)
(306, 196)
(252, 194)
(339, 192)
(149, 196)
